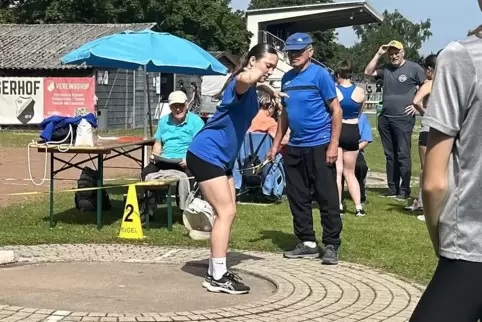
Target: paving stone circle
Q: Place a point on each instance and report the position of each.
(306, 290)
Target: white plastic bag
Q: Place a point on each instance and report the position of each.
(85, 135)
(199, 218)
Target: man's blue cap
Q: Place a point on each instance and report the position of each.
(298, 41)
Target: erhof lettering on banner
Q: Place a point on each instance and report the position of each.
(20, 86)
(21, 100)
(29, 100)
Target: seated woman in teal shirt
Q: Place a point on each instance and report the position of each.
(174, 134)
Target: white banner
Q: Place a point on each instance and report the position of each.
(21, 100)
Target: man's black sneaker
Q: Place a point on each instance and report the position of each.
(207, 280)
(388, 194)
(360, 213)
(230, 283)
(301, 251)
(330, 256)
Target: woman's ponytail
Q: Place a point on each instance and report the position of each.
(243, 62)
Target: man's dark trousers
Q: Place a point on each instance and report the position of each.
(396, 136)
(306, 168)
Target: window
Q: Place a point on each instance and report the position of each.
(167, 85)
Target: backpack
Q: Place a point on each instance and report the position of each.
(87, 200)
(250, 177)
(64, 133)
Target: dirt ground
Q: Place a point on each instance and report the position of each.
(14, 174)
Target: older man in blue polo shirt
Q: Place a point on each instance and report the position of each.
(174, 134)
(313, 114)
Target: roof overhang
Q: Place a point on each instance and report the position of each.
(41, 46)
(225, 54)
(315, 17)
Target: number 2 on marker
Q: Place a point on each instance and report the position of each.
(131, 211)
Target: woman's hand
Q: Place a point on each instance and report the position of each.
(278, 96)
(254, 72)
(271, 155)
(275, 94)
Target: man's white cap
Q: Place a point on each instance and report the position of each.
(177, 97)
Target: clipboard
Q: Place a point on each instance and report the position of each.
(159, 158)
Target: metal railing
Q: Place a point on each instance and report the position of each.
(373, 100)
(270, 39)
(323, 65)
(273, 41)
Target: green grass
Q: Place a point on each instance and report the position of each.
(374, 155)
(374, 152)
(16, 139)
(386, 238)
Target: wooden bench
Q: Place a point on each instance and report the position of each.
(161, 184)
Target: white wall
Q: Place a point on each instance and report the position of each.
(280, 70)
(253, 21)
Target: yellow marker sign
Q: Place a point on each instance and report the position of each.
(131, 226)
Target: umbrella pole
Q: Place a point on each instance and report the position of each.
(146, 106)
(149, 105)
(146, 102)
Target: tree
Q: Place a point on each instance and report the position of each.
(209, 23)
(326, 46)
(6, 11)
(324, 41)
(395, 26)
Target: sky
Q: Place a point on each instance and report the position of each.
(447, 25)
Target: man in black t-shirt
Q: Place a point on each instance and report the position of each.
(401, 79)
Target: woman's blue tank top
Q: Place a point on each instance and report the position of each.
(351, 109)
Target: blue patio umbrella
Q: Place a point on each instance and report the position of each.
(152, 51)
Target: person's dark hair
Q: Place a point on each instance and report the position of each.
(344, 69)
(258, 51)
(430, 61)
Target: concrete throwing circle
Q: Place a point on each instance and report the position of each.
(109, 286)
(305, 290)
